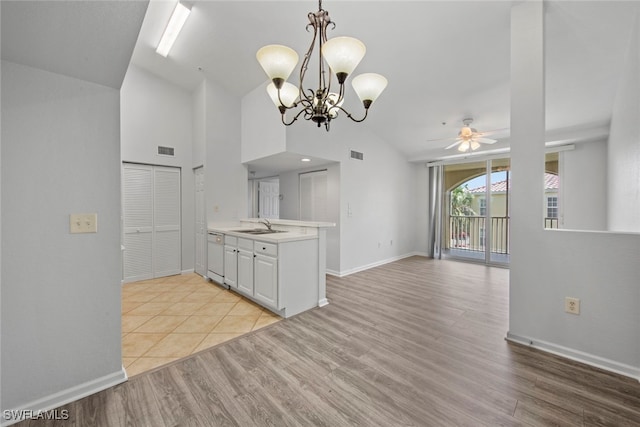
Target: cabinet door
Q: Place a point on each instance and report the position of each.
(231, 266)
(266, 280)
(245, 271)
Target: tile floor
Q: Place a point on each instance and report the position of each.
(172, 317)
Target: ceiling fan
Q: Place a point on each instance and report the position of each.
(469, 139)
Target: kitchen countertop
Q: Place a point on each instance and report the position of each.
(295, 230)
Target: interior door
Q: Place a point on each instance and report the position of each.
(269, 199)
(137, 200)
(200, 224)
(167, 257)
(151, 221)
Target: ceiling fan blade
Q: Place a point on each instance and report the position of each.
(454, 144)
(485, 140)
(491, 132)
(441, 139)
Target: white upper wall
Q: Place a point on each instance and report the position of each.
(624, 145)
(583, 187)
(225, 176)
(263, 133)
(60, 314)
(157, 113)
(378, 206)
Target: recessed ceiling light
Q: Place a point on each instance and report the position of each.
(306, 160)
(177, 20)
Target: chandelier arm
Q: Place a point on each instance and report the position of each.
(366, 112)
(294, 118)
(323, 39)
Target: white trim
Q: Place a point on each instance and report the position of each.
(188, 271)
(374, 264)
(71, 394)
(577, 355)
(323, 302)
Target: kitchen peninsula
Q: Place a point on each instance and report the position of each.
(279, 264)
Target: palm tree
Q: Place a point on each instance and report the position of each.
(461, 199)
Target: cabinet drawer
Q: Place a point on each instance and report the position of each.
(245, 244)
(266, 249)
(230, 240)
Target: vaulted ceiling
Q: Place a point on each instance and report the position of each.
(445, 60)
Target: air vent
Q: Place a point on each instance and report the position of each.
(357, 155)
(166, 151)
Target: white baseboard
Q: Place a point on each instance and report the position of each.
(63, 397)
(323, 302)
(189, 271)
(577, 355)
(374, 264)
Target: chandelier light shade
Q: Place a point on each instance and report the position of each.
(368, 87)
(277, 61)
(341, 55)
(286, 96)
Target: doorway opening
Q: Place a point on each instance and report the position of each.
(476, 211)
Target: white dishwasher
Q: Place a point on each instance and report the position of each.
(215, 256)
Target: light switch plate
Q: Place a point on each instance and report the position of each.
(83, 223)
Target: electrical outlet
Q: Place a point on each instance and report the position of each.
(83, 223)
(572, 305)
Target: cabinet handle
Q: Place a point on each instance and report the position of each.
(254, 255)
(264, 249)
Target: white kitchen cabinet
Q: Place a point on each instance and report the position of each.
(231, 261)
(245, 271)
(266, 280)
(283, 272)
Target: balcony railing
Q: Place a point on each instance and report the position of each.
(551, 222)
(470, 233)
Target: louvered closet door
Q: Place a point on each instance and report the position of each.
(151, 221)
(166, 222)
(137, 200)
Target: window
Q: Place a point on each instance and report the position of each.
(552, 207)
(483, 207)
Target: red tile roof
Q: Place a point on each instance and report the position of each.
(551, 182)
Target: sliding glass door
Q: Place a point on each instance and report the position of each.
(475, 211)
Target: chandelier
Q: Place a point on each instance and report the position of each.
(341, 54)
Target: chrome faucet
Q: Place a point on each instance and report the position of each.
(266, 223)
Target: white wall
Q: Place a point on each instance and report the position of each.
(263, 133)
(583, 187)
(548, 265)
(60, 315)
(226, 178)
(155, 112)
(199, 128)
(377, 195)
(290, 207)
(624, 145)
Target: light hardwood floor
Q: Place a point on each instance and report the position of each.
(415, 342)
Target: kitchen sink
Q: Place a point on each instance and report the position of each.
(258, 231)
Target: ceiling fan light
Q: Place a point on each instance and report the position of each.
(465, 132)
(368, 87)
(474, 145)
(464, 146)
(343, 54)
(277, 61)
(288, 94)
